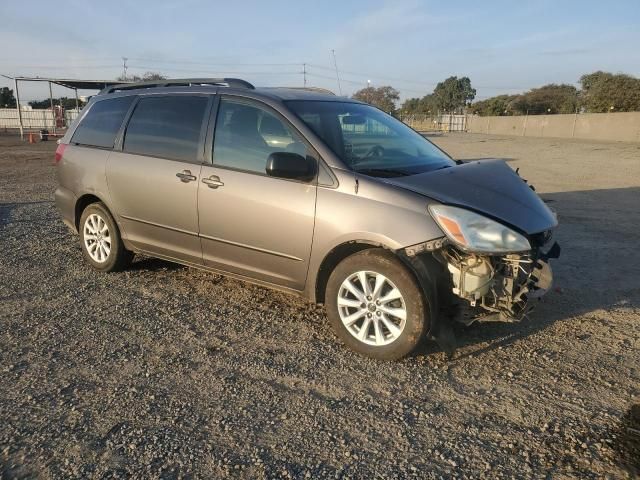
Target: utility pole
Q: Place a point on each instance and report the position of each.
(333, 52)
(53, 111)
(304, 74)
(124, 68)
(19, 109)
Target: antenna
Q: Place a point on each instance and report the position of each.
(124, 68)
(333, 52)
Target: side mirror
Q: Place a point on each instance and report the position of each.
(291, 166)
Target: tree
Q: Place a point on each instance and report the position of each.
(7, 100)
(411, 105)
(454, 94)
(384, 98)
(424, 105)
(550, 98)
(147, 77)
(603, 90)
(494, 106)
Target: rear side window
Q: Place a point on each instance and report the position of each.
(100, 125)
(168, 127)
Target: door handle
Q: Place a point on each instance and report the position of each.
(213, 181)
(185, 176)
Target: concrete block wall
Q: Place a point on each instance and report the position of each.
(622, 126)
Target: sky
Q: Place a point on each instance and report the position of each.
(502, 46)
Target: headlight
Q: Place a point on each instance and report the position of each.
(477, 233)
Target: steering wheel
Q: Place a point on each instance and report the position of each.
(375, 151)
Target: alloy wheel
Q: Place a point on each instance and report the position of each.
(97, 240)
(372, 308)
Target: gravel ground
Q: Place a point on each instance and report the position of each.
(166, 371)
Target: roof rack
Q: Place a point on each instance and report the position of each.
(180, 82)
(312, 89)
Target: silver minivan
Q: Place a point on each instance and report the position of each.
(310, 193)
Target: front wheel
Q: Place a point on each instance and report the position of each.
(376, 305)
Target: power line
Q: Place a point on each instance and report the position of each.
(66, 67)
(404, 80)
(362, 84)
(214, 63)
(306, 72)
(216, 72)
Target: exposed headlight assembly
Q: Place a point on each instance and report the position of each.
(476, 233)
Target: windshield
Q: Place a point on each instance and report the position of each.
(368, 140)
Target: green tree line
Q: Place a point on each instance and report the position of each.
(451, 95)
(599, 92)
(66, 102)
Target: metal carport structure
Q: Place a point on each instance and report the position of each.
(70, 83)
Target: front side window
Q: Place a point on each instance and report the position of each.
(167, 127)
(102, 122)
(246, 135)
(368, 140)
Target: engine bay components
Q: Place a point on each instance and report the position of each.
(498, 284)
(471, 277)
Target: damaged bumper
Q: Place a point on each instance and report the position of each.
(499, 287)
(480, 287)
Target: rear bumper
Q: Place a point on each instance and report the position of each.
(66, 204)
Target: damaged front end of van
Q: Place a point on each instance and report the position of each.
(497, 241)
(492, 267)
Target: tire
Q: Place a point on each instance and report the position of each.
(379, 312)
(102, 248)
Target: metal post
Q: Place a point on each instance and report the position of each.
(575, 118)
(19, 110)
(524, 128)
(77, 104)
(53, 113)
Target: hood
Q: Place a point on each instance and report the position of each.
(489, 187)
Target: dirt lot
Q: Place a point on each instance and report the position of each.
(168, 371)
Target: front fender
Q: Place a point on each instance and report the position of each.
(374, 213)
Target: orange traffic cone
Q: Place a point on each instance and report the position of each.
(31, 138)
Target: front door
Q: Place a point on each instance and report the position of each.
(250, 223)
(154, 180)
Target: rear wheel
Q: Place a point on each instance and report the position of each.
(100, 239)
(375, 305)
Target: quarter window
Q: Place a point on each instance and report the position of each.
(168, 127)
(102, 122)
(246, 135)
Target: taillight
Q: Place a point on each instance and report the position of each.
(59, 152)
